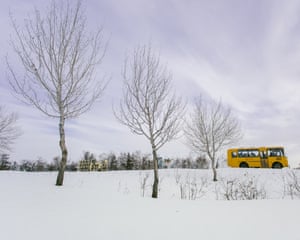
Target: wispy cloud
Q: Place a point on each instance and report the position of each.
(246, 53)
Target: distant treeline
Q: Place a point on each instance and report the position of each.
(38, 165)
(108, 162)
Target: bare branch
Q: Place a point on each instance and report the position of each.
(9, 132)
(59, 60)
(147, 107)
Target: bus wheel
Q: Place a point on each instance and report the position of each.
(244, 165)
(277, 165)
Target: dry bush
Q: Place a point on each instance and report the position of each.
(191, 187)
(144, 185)
(242, 189)
(291, 184)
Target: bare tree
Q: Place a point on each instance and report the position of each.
(59, 58)
(9, 131)
(148, 106)
(211, 127)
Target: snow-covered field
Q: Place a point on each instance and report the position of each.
(117, 205)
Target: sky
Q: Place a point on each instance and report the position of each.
(245, 53)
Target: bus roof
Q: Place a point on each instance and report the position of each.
(255, 148)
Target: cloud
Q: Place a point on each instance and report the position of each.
(246, 53)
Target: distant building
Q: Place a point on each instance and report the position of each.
(92, 165)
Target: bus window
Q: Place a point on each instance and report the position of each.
(275, 152)
(248, 153)
(270, 153)
(242, 153)
(253, 153)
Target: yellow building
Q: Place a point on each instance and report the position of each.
(92, 165)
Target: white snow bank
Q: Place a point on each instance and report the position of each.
(108, 205)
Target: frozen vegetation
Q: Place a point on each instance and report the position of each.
(242, 204)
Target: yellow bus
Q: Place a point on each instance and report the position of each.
(261, 157)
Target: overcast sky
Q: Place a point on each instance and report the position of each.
(246, 53)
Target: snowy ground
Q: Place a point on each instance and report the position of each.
(114, 205)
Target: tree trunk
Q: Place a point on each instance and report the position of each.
(156, 180)
(214, 170)
(64, 153)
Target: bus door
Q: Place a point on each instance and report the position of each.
(264, 161)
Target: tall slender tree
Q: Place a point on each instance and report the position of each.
(149, 107)
(59, 58)
(212, 126)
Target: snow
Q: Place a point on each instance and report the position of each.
(110, 205)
